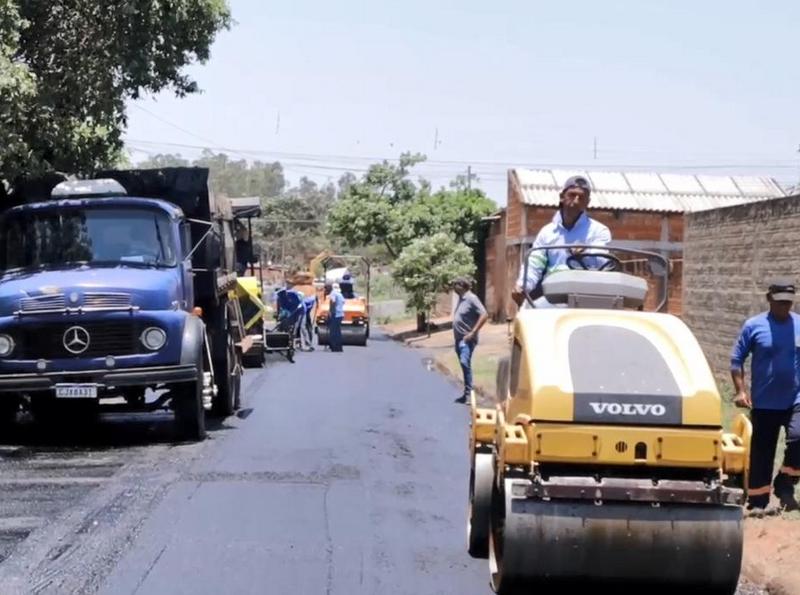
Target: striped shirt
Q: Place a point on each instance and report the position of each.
(540, 262)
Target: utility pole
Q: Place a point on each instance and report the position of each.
(469, 178)
(595, 148)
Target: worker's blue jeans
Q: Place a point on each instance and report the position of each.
(465, 351)
(335, 333)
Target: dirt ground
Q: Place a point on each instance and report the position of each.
(772, 547)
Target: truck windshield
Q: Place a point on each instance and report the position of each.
(74, 236)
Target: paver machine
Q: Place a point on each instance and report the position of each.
(355, 324)
(605, 461)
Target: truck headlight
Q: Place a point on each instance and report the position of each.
(6, 345)
(153, 338)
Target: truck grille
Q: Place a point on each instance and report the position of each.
(91, 301)
(105, 338)
(107, 300)
(42, 303)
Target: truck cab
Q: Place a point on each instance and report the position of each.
(104, 295)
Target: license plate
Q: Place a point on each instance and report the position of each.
(76, 391)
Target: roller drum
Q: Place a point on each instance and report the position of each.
(682, 548)
(480, 502)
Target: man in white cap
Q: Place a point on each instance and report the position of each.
(570, 225)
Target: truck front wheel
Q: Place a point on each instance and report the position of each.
(187, 402)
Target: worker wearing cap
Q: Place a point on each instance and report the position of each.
(773, 339)
(335, 317)
(570, 225)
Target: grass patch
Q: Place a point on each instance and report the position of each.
(484, 372)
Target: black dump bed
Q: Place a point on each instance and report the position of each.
(186, 187)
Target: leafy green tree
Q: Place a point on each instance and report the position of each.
(386, 207)
(293, 226)
(17, 90)
(427, 267)
(455, 212)
(237, 177)
(68, 66)
(370, 210)
(161, 160)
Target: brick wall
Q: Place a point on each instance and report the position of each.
(496, 269)
(514, 209)
(729, 254)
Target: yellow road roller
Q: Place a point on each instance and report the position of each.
(605, 461)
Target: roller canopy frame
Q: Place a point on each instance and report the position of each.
(628, 289)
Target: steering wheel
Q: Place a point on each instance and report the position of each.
(612, 263)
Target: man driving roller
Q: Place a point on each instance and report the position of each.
(570, 225)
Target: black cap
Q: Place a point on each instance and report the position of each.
(782, 289)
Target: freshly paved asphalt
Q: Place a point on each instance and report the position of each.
(349, 476)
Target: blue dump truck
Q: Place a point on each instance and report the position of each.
(117, 292)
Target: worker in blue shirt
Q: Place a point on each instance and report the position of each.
(773, 339)
(307, 326)
(571, 224)
(336, 314)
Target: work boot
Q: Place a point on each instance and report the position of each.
(462, 398)
(784, 490)
(758, 512)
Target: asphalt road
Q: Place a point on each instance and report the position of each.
(343, 474)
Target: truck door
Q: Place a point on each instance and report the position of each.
(188, 275)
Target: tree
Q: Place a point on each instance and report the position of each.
(293, 226)
(17, 89)
(427, 267)
(386, 207)
(68, 66)
(455, 212)
(371, 210)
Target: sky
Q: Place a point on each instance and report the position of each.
(327, 87)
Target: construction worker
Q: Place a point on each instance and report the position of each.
(773, 339)
(469, 316)
(307, 327)
(335, 316)
(570, 225)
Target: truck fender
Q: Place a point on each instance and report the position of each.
(192, 343)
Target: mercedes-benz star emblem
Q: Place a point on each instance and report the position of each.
(76, 339)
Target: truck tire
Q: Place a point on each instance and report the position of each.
(187, 402)
(9, 405)
(226, 368)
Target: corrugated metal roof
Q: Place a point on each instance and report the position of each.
(649, 191)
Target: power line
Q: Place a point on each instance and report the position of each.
(434, 163)
(442, 162)
(168, 123)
